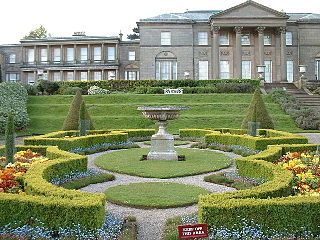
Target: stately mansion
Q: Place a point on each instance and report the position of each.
(206, 44)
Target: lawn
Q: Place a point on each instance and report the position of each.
(197, 161)
(47, 113)
(155, 194)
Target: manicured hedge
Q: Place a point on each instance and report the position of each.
(195, 133)
(268, 204)
(53, 205)
(132, 85)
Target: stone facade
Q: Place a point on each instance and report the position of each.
(190, 45)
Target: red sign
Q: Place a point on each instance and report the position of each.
(193, 231)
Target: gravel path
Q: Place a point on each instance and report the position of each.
(312, 137)
(151, 221)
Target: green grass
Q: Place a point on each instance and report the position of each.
(154, 194)
(176, 142)
(223, 180)
(83, 182)
(197, 162)
(47, 113)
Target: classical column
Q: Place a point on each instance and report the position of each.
(283, 65)
(237, 54)
(215, 51)
(103, 53)
(48, 54)
(261, 45)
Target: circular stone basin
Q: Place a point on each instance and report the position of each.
(154, 194)
(129, 162)
(161, 113)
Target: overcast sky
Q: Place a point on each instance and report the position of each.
(108, 17)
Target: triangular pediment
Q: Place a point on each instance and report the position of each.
(249, 9)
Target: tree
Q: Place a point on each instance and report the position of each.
(40, 32)
(135, 35)
(9, 139)
(257, 112)
(72, 120)
(84, 123)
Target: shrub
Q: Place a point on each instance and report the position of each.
(72, 120)
(9, 136)
(31, 89)
(234, 88)
(257, 112)
(13, 98)
(71, 90)
(48, 87)
(84, 123)
(95, 90)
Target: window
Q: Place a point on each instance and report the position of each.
(165, 38)
(70, 54)
(30, 55)
(288, 38)
(224, 70)
(83, 76)
(290, 71)
(111, 75)
(31, 78)
(224, 38)
(317, 69)
(166, 70)
(268, 71)
(203, 70)
(111, 53)
(12, 77)
(57, 54)
(43, 55)
(12, 58)
(83, 54)
(202, 38)
(246, 69)
(267, 39)
(131, 75)
(70, 76)
(245, 39)
(97, 54)
(56, 76)
(132, 55)
(97, 76)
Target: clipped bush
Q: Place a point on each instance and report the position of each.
(84, 123)
(48, 87)
(71, 90)
(13, 98)
(95, 90)
(9, 139)
(31, 89)
(72, 120)
(257, 108)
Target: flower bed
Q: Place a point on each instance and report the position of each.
(306, 168)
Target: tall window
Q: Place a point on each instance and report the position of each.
(267, 39)
(224, 70)
(268, 71)
(203, 70)
(317, 69)
(70, 76)
(131, 75)
(224, 38)
(202, 38)
(289, 38)
(12, 77)
(44, 55)
(97, 76)
(56, 76)
(70, 54)
(245, 39)
(84, 76)
(111, 75)
(57, 54)
(165, 38)
(97, 54)
(12, 58)
(111, 53)
(83, 54)
(246, 69)
(132, 55)
(290, 71)
(30, 55)
(166, 70)
(31, 78)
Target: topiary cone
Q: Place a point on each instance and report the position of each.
(72, 120)
(9, 139)
(257, 112)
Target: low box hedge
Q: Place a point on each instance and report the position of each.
(54, 206)
(268, 204)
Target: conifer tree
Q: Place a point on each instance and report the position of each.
(84, 123)
(72, 120)
(257, 112)
(9, 139)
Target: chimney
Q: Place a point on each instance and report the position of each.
(120, 35)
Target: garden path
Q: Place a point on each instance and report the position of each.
(151, 222)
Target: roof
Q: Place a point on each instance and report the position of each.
(82, 37)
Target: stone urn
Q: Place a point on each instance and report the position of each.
(162, 143)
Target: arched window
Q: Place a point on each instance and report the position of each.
(166, 66)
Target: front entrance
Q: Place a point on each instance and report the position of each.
(268, 71)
